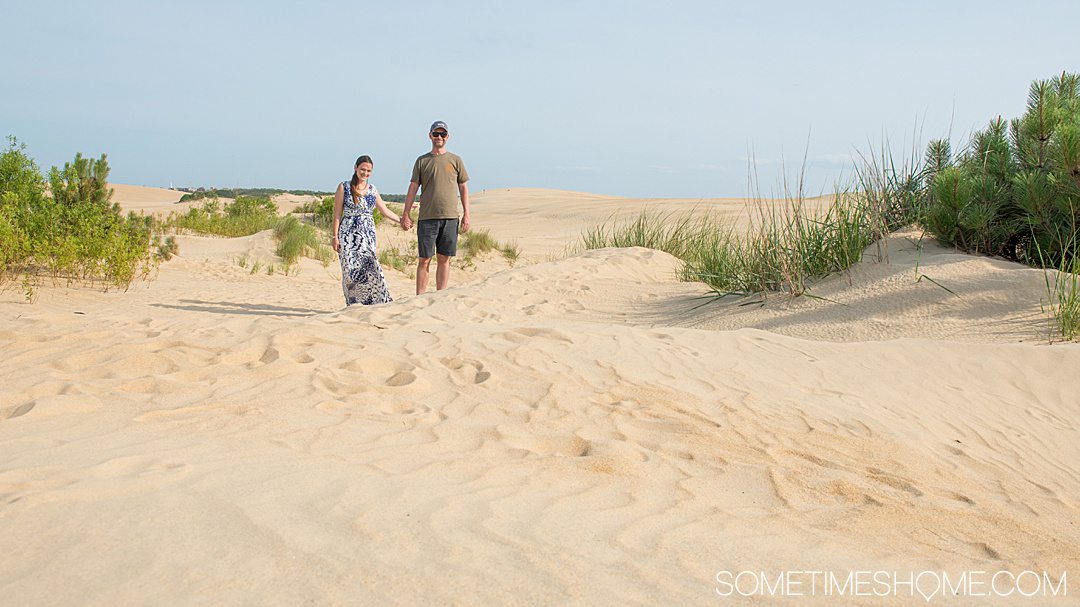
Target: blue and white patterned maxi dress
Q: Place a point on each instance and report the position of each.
(361, 277)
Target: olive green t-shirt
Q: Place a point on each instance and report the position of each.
(439, 177)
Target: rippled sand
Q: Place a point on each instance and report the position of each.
(571, 430)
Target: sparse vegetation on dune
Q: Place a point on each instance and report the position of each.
(471, 245)
(1014, 192)
(243, 217)
(392, 257)
(246, 216)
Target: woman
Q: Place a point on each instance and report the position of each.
(354, 237)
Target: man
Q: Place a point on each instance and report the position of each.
(443, 178)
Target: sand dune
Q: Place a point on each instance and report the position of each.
(151, 200)
(573, 431)
(147, 199)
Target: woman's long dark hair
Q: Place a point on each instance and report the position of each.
(356, 180)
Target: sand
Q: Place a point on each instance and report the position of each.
(570, 430)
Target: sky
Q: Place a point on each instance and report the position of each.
(679, 99)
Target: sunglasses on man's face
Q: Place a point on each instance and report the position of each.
(439, 134)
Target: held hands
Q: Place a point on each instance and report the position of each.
(406, 222)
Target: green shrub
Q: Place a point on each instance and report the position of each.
(22, 198)
(165, 251)
(72, 232)
(321, 211)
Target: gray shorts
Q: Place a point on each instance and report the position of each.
(437, 236)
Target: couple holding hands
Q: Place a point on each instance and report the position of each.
(441, 178)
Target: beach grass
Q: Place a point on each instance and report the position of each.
(1065, 299)
(297, 239)
(394, 258)
(1063, 290)
(786, 246)
(476, 242)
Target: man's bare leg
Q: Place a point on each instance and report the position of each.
(422, 274)
(442, 271)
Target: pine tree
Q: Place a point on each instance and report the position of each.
(1015, 190)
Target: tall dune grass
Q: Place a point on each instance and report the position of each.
(1063, 289)
(297, 239)
(1064, 297)
(475, 242)
(784, 249)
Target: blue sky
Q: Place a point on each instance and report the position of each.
(644, 99)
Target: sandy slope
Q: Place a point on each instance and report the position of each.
(572, 431)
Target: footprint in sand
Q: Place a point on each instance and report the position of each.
(985, 550)
(824, 463)
(563, 446)
(960, 497)
(15, 411)
(518, 335)
(401, 378)
(895, 482)
(467, 370)
(138, 466)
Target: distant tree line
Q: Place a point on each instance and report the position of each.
(201, 193)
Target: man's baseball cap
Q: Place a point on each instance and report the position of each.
(438, 124)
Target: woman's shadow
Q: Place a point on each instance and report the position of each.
(229, 307)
